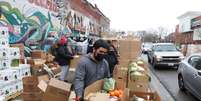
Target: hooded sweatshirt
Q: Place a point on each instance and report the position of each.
(88, 71)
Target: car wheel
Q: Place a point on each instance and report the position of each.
(154, 64)
(149, 60)
(181, 83)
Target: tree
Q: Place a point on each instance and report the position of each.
(162, 32)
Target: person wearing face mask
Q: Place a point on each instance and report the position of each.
(91, 67)
(111, 57)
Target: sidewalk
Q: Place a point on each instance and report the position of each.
(157, 86)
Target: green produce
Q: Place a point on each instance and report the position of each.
(109, 84)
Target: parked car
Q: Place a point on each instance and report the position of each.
(164, 54)
(189, 75)
(146, 47)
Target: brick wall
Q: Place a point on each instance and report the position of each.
(86, 9)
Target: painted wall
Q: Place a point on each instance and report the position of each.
(30, 21)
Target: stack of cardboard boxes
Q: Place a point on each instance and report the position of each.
(31, 92)
(129, 49)
(11, 71)
(40, 88)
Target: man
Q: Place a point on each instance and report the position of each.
(63, 56)
(92, 67)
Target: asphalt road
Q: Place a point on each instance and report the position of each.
(168, 78)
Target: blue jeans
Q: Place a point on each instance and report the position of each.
(64, 72)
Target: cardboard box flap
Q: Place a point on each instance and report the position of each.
(99, 97)
(60, 84)
(43, 77)
(42, 85)
(94, 87)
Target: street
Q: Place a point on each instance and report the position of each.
(168, 78)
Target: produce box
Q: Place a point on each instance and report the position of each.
(21, 47)
(32, 96)
(57, 91)
(94, 90)
(120, 72)
(138, 86)
(129, 50)
(98, 97)
(147, 96)
(30, 84)
(138, 82)
(49, 58)
(38, 54)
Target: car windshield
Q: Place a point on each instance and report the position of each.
(165, 48)
(147, 45)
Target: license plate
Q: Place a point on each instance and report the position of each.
(170, 64)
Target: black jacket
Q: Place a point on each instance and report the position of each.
(63, 55)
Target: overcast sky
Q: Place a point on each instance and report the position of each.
(136, 15)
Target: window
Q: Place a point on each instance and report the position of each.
(195, 61)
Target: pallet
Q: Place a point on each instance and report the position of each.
(13, 96)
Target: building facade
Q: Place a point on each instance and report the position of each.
(36, 22)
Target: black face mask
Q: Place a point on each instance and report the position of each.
(99, 57)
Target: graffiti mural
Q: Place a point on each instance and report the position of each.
(27, 23)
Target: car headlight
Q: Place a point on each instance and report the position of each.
(181, 57)
(158, 58)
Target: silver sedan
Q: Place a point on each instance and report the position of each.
(189, 75)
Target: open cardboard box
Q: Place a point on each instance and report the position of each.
(55, 90)
(98, 86)
(148, 96)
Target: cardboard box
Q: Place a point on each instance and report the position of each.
(6, 63)
(57, 91)
(2, 86)
(9, 88)
(141, 78)
(17, 86)
(6, 75)
(32, 96)
(15, 52)
(94, 87)
(49, 58)
(138, 83)
(24, 70)
(98, 97)
(5, 53)
(4, 32)
(129, 49)
(43, 85)
(121, 73)
(148, 96)
(138, 86)
(38, 54)
(15, 75)
(1, 67)
(97, 87)
(4, 42)
(30, 84)
(38, 63)
(20, 85)
(44, 78)
(21, 47)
